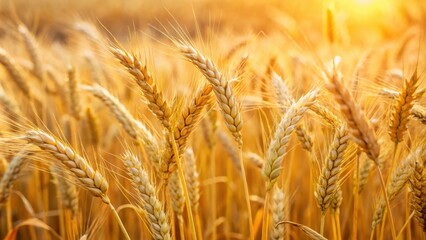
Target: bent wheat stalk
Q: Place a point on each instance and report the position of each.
(90, 179)
(157, 104)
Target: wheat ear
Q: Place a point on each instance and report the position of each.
(33, 50)
(12, 110)
(399, 178)
(419, 113)
(118, 110)
(67, 189)
(312, 234)
(192, 178)
(364, 172)
(11, 174)
(133, 127)
(328, 182)
(14, 72)
(326, 114)
(230, 149)
(94, 127)
(278, 145)
(359, 126)
(285, 98)
(189, 118)
(157, 104)
(280, 213)
(157, 218)
(73, 94)
(91, 179)
(336, 201)
(401, 110)
(418, 196)
(221, 87)
(255, 159)
(176, 194)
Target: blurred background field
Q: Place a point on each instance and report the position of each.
(375, 46)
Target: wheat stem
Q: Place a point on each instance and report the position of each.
(184, 186)
(117, 217)
(265, 216)
(382, 181)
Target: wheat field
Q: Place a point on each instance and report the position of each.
(190, 119)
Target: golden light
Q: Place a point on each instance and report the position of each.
(364, 2)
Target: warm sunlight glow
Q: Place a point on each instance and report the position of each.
(212, 119)
(364, 2)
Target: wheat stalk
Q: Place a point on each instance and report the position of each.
(230, 149)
